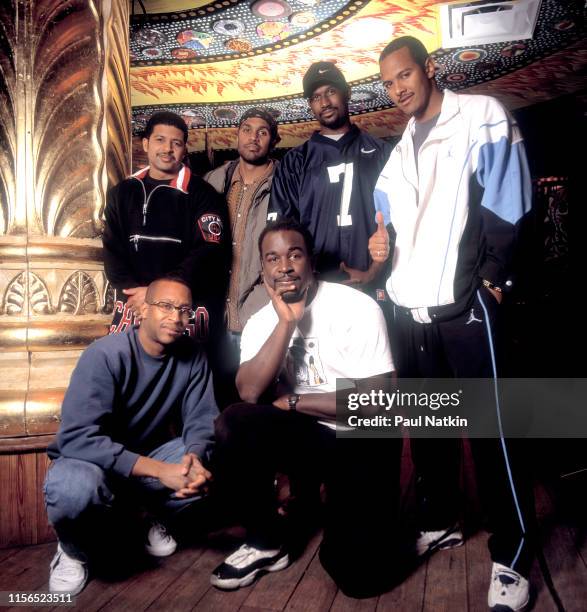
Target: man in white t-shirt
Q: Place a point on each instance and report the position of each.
(292, 351)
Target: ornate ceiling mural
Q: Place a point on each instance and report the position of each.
(210, 62)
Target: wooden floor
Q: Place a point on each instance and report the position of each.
(451, 580)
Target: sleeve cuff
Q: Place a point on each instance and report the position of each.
(124, 463)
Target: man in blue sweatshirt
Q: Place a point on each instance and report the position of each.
(127, 395)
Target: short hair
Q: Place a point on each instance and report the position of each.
(264, 114)
(287, 225)
(416, 48)
(166, 118)
(170, 278)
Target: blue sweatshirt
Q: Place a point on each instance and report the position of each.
(122, 403)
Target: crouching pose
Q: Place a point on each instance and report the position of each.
(292, 351)
(129, 397)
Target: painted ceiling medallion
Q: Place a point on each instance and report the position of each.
(566, 24)
(271, 9)
(229, 27)
(297, 108)
(192, 119)
(469, 55)
(183, 53)
(152, 52)
(303, 19)
(362, 95)
(225, 114)
(149, 38)
(238, 44)
(194, 39)
(273, 30)
(513, 50)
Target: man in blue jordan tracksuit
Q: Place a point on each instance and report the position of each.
(453, 193)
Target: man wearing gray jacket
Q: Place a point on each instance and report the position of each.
(246, 185)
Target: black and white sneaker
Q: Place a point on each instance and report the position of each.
(431, 541)
(241, 568)
(508, 591)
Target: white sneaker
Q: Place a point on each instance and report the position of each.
(67, 575)
(431, 541)
(241, 568)
(508, 591)
(159, 542)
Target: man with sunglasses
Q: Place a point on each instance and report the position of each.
(137, 422)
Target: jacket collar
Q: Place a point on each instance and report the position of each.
(450, 107)
(180, 181)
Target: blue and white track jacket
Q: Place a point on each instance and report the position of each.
(455, 215)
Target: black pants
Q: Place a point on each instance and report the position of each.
(467, 347)
(361, 547)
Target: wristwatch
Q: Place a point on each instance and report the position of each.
(293, 400)
(490, 285)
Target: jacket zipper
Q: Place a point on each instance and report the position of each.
(136, 237)
(146, 199)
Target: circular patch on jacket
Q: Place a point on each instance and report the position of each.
(456, 77)
(210, 226)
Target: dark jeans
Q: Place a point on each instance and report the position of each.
(361, 547)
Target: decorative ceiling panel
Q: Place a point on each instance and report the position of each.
(227, 30)
(214, 91)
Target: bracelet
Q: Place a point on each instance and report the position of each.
(292, 401)
(489, 285)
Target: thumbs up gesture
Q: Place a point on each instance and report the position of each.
(379, 241)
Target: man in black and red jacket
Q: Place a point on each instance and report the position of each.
(163, 220)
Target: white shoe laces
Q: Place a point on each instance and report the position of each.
(242, 556)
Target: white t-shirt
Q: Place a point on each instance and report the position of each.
(341, 335)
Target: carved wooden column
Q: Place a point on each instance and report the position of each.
(64, 137)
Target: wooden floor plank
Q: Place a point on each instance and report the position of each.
(408, 596)
(446, 581)
(342, 603)
(8, 552)
(189, 588)
(478, 571)
(215, 600)
(273, 591)
(143, 589)
(26, 570)
(315, 592)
